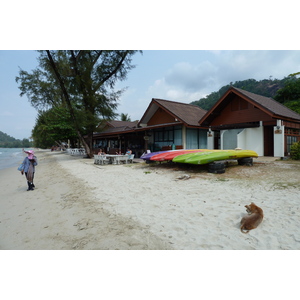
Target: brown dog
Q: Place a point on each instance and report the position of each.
(253, 219)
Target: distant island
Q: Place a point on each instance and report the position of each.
(7, 141)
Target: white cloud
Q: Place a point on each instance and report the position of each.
(187, 82)
(191, 77)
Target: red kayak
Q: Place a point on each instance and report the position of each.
(173, 153)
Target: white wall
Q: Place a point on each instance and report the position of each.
(229, 138)
(279, 141)
(252, 139)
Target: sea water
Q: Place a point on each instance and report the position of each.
(11, 157)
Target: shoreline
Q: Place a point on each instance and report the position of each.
(61, 213)
(79, 205)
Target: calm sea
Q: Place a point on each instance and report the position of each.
(11, 157)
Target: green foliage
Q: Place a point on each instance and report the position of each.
(7, 141)
(125, 117)
(289, 95)
(295, 151)
(52, 126)
(81, 81)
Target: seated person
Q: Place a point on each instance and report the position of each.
(101, 152)
(128, 152)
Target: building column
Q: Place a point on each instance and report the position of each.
(279, 139)
(184, 137)
(210, 139)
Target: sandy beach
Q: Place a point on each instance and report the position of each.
(80, 205)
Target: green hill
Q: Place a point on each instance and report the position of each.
(7, 141)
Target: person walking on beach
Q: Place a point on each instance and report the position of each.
(29, 164)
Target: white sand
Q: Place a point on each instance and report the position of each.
(79, 205)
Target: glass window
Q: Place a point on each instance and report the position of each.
(290, 140)
(191, 138)
(178, 136)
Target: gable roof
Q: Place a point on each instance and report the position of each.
(272, 105)
(117, 123)
(114, 126)
(185, 113)
(266, 104)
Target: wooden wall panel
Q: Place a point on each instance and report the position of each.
(240, 111)
(160, 117)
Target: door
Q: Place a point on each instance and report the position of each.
(268, 141)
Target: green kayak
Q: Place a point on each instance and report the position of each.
(202, 158)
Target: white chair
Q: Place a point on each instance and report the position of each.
(123, 158)
(96, 159)
(74, 151)
(81, 151)
(130, 158)
(103, 159)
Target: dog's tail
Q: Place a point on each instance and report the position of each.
(242, 230)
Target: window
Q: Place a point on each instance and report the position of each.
(164, 136)
(290, 140)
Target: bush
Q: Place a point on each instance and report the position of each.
(295, 151)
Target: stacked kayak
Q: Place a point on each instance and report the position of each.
(163, 156)
(201, 158)
(148, 156)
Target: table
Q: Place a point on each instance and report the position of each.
(115, 159)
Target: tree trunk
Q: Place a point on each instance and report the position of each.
(69, 105)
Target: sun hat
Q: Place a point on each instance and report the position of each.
(30, 154)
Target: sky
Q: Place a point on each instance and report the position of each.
(177, 75)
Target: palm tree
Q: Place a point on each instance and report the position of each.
(125, 117)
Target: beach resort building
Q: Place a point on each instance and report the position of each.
(239, 119)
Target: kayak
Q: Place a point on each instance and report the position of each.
(147, 156)
(174, 153)
(202, 158)
(182, 158)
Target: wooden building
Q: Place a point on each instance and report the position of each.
(164, 125)
(239, 119)
(250, 121)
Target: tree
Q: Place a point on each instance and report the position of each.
(289, 95)
(52, 127)
(7, 141)
(125, 117)
(82, 81)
